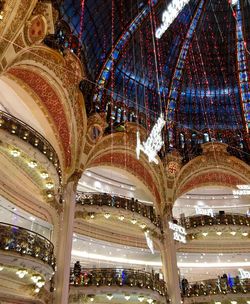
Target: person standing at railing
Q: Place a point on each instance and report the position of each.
(77, 272)
(184, 286)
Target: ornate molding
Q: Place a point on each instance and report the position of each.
(214, 167)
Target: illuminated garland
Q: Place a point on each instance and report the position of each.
(177, 76)
(242, 68)
(114, 56)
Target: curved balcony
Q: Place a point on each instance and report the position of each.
(112, 201)
(216, 289)
(217, 219)
(23, 131)
(26, 243)
(114, 279)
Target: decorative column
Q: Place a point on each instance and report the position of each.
(169, 263)
(64, 241)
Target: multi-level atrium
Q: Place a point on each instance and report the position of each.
(124, 151)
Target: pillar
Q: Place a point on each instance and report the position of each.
(64, 241)
(169, 264)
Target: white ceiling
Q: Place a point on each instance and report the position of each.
(115, 181)
(13, 104)
(195, 266)
(217, 198)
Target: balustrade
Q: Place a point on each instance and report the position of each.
(217, 219)
(20, 129)
(217, 286)
(117, 277)
(103, 199)
(26, 242)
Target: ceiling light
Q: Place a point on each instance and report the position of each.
(32, 218)
(150, 301)
(92, 215)
(21, 273)
(121, 217)
(217, 302)
(233, 232)
(219, 233)
(204, 233)
(88, 173)
(40, 283)
(15, 152)
(37, 290)
(32, 164)
(245, 233)
(234, 302)
(143, 226)
(133, 221)
(44, 175)
(109, 296)
(1, 268)
(49, 185)
(107, 215)
(127, 297)
(140, 298)
(49, 195)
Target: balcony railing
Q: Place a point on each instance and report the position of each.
(20, 129)
(26, 242)
(117, 277)
(217, 287)
(103, 199)
(217, 219)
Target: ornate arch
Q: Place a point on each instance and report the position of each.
(118, 150)
(50, 103)
(214, 167)
(54, 80)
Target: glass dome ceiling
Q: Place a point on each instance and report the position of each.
(197, 73)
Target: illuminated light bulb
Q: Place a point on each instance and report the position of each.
(21, 273)
(107, 215)
(109, 297)
(49, 195)
(40, 284)
(1, 268)
(133, 221)
(127, 297)
(37, 290)
(32, 164)
(140, 298)
(143, 226)
(49, 185)
(245, 233)
(44, 175)
(35, 278)
(121, 217)
(217, 302)
(92, 215)
(205, 233)
(15, 152)
(150, 301)
(219, 233)
(91, 299)
(233, 232)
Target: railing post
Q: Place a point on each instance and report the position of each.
(64, 240)
(169, 264)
